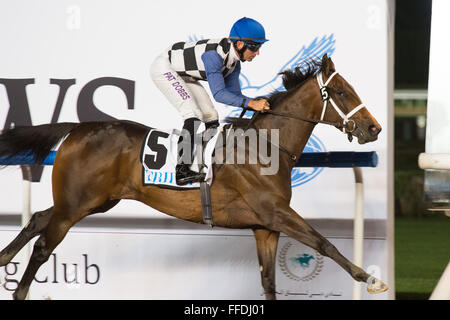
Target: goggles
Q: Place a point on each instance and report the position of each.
(253, 46)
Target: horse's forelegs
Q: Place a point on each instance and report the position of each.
(266, 243)
(289, 222)
(37, 223)
(43, 248)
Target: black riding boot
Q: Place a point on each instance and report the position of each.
(183, 173)
(212, 124)
(211, 130)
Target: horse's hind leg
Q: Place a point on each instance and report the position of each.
(37, 223)
(43, 248)
(266, 243)
(51, 236)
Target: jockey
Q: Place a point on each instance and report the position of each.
(177, 71)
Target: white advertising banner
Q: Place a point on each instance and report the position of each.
(74, 61)
(186, 265)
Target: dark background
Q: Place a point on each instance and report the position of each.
(418, 231)
(412, 46)
(412, 43)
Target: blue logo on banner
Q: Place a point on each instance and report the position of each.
(315, 50)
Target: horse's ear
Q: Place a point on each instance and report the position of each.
(327, 65)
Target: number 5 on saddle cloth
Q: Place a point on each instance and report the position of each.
(159, 155)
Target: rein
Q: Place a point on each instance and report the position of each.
(315, 121)
(325, 98)
(292, 156)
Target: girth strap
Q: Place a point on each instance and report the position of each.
(206, 204)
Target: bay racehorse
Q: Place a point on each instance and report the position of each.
(98, 164)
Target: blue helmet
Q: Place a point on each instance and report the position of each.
(247, 29)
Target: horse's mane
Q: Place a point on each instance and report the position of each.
(292, 79)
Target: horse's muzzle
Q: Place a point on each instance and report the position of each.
(367, 135)
(374, 130)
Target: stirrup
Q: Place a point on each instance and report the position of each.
(185, 180)
(184, 175)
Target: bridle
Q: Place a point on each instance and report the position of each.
(325, 98)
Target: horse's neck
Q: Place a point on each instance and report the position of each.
(293, 133)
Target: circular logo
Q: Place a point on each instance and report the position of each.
(298, 262)
(300, 175)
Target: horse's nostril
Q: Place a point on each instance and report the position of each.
(374, 130)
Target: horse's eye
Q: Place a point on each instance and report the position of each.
(340, 92)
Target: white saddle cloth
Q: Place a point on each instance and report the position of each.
(159, 159)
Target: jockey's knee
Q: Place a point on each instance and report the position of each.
(188, 114)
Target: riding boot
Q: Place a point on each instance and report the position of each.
(212, 124)
(211, 130)
(183, 173)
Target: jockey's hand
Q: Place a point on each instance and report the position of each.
(261, 105)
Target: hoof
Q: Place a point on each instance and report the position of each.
(375, 286)
(20, 295)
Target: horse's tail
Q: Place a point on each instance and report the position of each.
(37, 141)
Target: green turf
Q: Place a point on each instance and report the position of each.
(422, 251)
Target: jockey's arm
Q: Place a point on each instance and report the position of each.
(226, 91)
(233, 85)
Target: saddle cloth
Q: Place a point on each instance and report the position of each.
(159, 159)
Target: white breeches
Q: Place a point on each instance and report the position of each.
(184, 93)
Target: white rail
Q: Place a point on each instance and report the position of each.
(358, 229)
(438, 161)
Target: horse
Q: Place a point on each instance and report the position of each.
(98, 164)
